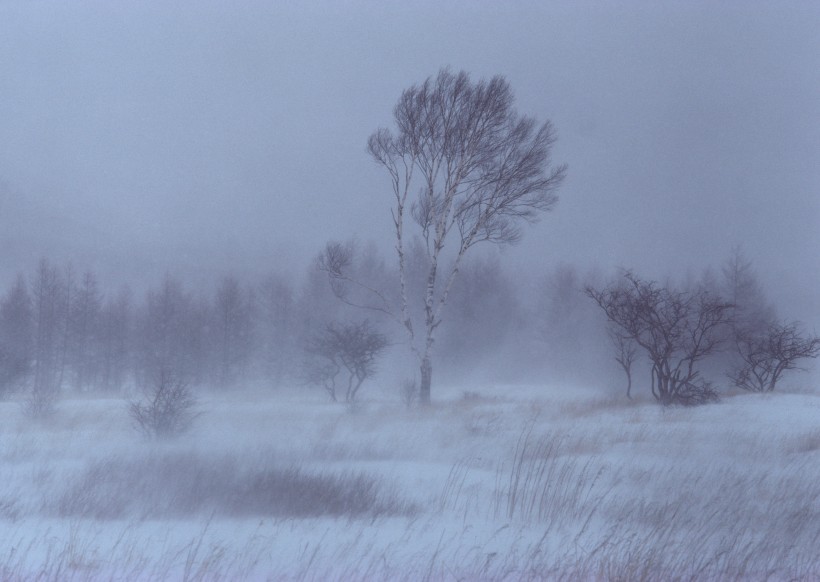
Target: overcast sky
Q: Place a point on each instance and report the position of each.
(160, 135)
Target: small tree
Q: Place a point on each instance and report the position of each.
(676, 329)
(168, 409)
(625, 354)
(352, 347)
(765, 357)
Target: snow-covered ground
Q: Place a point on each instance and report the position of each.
(501, 482)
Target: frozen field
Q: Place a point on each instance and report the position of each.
(504, 482)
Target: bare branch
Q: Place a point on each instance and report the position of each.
(336, 261)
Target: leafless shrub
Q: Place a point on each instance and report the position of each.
(168, 409)
(696, 393)
(676, 329)
(766, 357)
(350, 347)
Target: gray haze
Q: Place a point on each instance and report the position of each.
(138, 137)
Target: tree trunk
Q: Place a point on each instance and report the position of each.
(628, 370)
(426, 378)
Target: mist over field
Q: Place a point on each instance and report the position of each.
(435, 291)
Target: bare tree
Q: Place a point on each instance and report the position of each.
(352, 347)
(625, 354)
(479, 169)
(765, 357)
(676, 329)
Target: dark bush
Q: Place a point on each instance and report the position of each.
(169, 407)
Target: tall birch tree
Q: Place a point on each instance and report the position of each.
(465, 168)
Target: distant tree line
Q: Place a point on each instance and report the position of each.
(61, 332)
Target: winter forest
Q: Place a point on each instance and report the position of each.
(430, 292)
